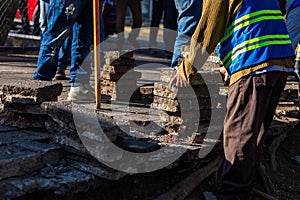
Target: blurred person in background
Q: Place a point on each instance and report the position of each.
(156, 16)
(170, 27)
(136, 11)
(24, 17)
(167, 9)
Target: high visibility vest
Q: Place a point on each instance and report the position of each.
(257, 34)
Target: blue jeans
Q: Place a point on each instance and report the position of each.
(293, 25)
(64, 56)
(70, 44)
(44, 9)
(189, 13)
(61, 18)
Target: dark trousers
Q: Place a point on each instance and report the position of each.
(170, 24)
(136, 11)
(157, 12)
(250, 108)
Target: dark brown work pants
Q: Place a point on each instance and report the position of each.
(250, 108)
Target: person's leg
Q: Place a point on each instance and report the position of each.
(121, 8)
(81, 47)
(136, 11)
(64, 58)
(251, 102)
(189, 13)
(170, 26)
(44, 9)
(157, 11)
(59, 26)
(24, 16)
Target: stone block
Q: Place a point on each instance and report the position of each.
(24, 157)
(173, 105)
(30, 91)
(116, 77)
(120, 62)
(146, 90)
(118, 54)
(162, 90)
(110, 83)
(117, 69)
(201, 78)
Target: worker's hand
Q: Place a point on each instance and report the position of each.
(223, 73)
(178, 80)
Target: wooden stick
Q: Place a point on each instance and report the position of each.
(96, 16)
(189, 184)
(263, 195)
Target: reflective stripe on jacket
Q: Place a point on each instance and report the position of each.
(247, 42)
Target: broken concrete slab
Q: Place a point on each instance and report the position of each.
(23, 120)
(85, 115)
(5, 128)
(12, 137)
(30, 91)
(24, 108)
(58, 179)
(23, 157)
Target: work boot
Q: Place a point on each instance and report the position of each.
(60, 74)
(81, 93)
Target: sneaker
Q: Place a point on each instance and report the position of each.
(81, 93)
(60, 74)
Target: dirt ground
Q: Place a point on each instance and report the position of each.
(286, 178)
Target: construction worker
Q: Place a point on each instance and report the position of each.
(61, 19)
(257, 54)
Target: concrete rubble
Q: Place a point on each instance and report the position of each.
(203, 97)
(118, 65)
(43, 141)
